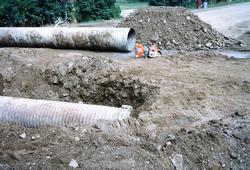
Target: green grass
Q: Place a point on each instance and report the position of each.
(124, 4)
(211, 5)
(131, 5)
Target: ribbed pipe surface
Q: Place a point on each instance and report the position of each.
(39, 113)
(90, 38)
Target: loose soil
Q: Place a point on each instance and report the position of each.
(175, 28)
(192, 111)
(69, 76)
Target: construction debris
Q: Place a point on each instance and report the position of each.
(175, 28)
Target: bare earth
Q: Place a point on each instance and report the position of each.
(192, 111)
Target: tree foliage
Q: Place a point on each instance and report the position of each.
(137, 0)
(42, 12)
(167, 2)
(96, 9)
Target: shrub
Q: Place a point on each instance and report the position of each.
(167, 2)
(96, 9)
(29, 12)
(42, 12)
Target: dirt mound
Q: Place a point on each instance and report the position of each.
(175, 28)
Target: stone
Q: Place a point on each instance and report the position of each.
(204, 30)
(70, 65)
(77, 138)
(159, 147)
(208, 45)
(168, 143)
(36, 136)
(177, 161)
(176, 43)
(23, 135)
(170, 137)
(240, 114)
(73, 163)
(247, 140)
(233, 155)
(154, 37)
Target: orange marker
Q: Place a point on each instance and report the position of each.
(139, 53)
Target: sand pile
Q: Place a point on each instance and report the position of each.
(175, 28)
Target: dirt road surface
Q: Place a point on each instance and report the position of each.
(232, 20)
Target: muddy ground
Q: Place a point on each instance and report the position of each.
(192, 111)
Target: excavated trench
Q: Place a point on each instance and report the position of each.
(84, 79)
(111, 88)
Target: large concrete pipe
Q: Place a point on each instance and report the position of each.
(39, 113)
(89, 38)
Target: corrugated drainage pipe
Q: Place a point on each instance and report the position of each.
(89, 38)
(39, 113)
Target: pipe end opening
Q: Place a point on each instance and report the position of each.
(131, 39)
